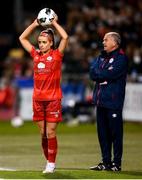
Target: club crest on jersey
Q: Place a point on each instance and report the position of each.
(41, 65)
(111, 60)
(49, 58)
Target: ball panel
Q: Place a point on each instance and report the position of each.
(46, 16)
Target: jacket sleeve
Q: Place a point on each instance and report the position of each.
(115, 70)
(92, 72)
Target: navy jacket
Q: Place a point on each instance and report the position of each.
(109, 71)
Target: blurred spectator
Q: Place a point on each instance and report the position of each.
(7, 98)
(6, 94)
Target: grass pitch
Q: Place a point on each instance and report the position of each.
(21, 155)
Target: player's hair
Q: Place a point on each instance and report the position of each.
(116, 37)
(49, 33)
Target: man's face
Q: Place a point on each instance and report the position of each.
(109, 43)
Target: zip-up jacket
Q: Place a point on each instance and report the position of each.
(109, 71)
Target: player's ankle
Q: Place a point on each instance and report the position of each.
(50, 167)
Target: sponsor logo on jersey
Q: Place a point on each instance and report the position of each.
(41, 65)
(49, 58)
(41, 68)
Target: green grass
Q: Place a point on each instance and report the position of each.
(78, 150)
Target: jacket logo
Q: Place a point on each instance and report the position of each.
(111, 60)
(110, 68)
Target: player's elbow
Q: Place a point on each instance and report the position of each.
(66, 37)
(20, 38)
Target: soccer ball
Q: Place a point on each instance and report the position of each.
(17, 121)
(46, 16)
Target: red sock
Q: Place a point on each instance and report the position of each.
(45, 146)
(52, 149)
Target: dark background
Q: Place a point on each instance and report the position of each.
(7, 11)
(13, 14)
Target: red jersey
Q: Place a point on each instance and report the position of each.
(47, 75)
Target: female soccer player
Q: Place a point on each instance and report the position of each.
(47, 91)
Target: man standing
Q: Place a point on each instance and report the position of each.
(109, 71)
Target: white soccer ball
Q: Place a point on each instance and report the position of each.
(17, 121)
(46, 16)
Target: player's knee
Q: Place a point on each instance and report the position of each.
(51, 133)
(41, 131)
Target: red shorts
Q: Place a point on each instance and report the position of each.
(49, 110)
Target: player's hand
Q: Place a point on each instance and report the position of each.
(55, 18)
(36, 22)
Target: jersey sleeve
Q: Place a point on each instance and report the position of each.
(33, 52)
(58, 55)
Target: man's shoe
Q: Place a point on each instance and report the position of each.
(50, 167)
(101, 166)
(115, 167)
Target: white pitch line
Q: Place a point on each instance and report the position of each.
(6, 169)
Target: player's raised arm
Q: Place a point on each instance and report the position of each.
(47, 17)
(24, 36)
(62, 33)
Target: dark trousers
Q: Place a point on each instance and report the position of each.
(110, 134)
